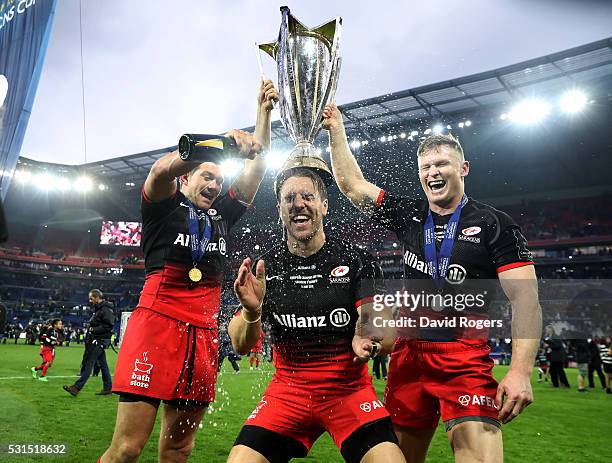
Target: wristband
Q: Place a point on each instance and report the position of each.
(250, 322)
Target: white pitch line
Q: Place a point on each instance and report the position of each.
(30, 377)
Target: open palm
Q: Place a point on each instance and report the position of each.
(250, 289)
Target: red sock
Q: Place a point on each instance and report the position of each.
(257, 363)
(44, 369)
(251, 360)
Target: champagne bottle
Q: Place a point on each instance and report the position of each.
(207, 148)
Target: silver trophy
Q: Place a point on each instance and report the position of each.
(308, 63)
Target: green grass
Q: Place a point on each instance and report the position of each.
(561, 426)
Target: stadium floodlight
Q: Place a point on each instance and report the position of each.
(355, 144)
(102, 187)
(83, 184)
(23, 175)
(231, 167)
(276, 159)
(468, 123)
(437, 130)
(573, 101)
(504, 116)
(44, 181)
(529, 111)
(61, 183)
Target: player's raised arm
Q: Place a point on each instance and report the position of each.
(521, 287)
(363, 194)
(246, 185)
(245, 329)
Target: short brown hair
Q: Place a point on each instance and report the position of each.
(300, 172)
(434, 142)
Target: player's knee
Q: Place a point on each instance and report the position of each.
(174, 451)
(128, 451)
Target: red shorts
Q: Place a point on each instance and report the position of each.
(432, 379)
(166, 359)
(304, 414)
(47, 354)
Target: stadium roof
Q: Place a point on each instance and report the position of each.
(588, 65)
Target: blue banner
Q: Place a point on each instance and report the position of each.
(25, 27)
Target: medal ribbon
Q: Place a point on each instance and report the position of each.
(438, 266)
(197, 242)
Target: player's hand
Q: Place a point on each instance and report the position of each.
(267, 95)
(251, 289)
(362, 347)
(516, 387)
(246, 143)
(332, 118)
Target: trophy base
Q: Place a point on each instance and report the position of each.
(318, 165)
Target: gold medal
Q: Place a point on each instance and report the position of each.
(195, 274)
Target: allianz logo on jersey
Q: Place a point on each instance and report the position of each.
(339, 274)
(182, 239)
(338, 317)
(455, 275)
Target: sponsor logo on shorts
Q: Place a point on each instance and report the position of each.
(482, 400)
(142, 371)
(254, 413)
(369, 406)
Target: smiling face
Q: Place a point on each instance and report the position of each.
(203, 184)
(301, 208)
(441, 172)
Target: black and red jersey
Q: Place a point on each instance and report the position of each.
(487, 242)
(50, 337)
(165, 244)
(311, 308)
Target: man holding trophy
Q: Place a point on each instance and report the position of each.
(316, 290)
(169, 350)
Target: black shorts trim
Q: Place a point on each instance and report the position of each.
(366, 437)
(272, 445)
(179, 403)
(448, 425)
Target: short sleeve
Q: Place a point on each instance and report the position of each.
(393, 212)
(157, 210)
(508, 245)
(369, 280)
(229, 208)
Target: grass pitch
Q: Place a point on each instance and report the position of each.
(561, 426)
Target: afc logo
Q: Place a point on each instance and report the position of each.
(367, 407)
(481, 400)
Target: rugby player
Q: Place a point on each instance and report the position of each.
(451, 379)
(50, 337)
(315, 290)
(169, 351)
